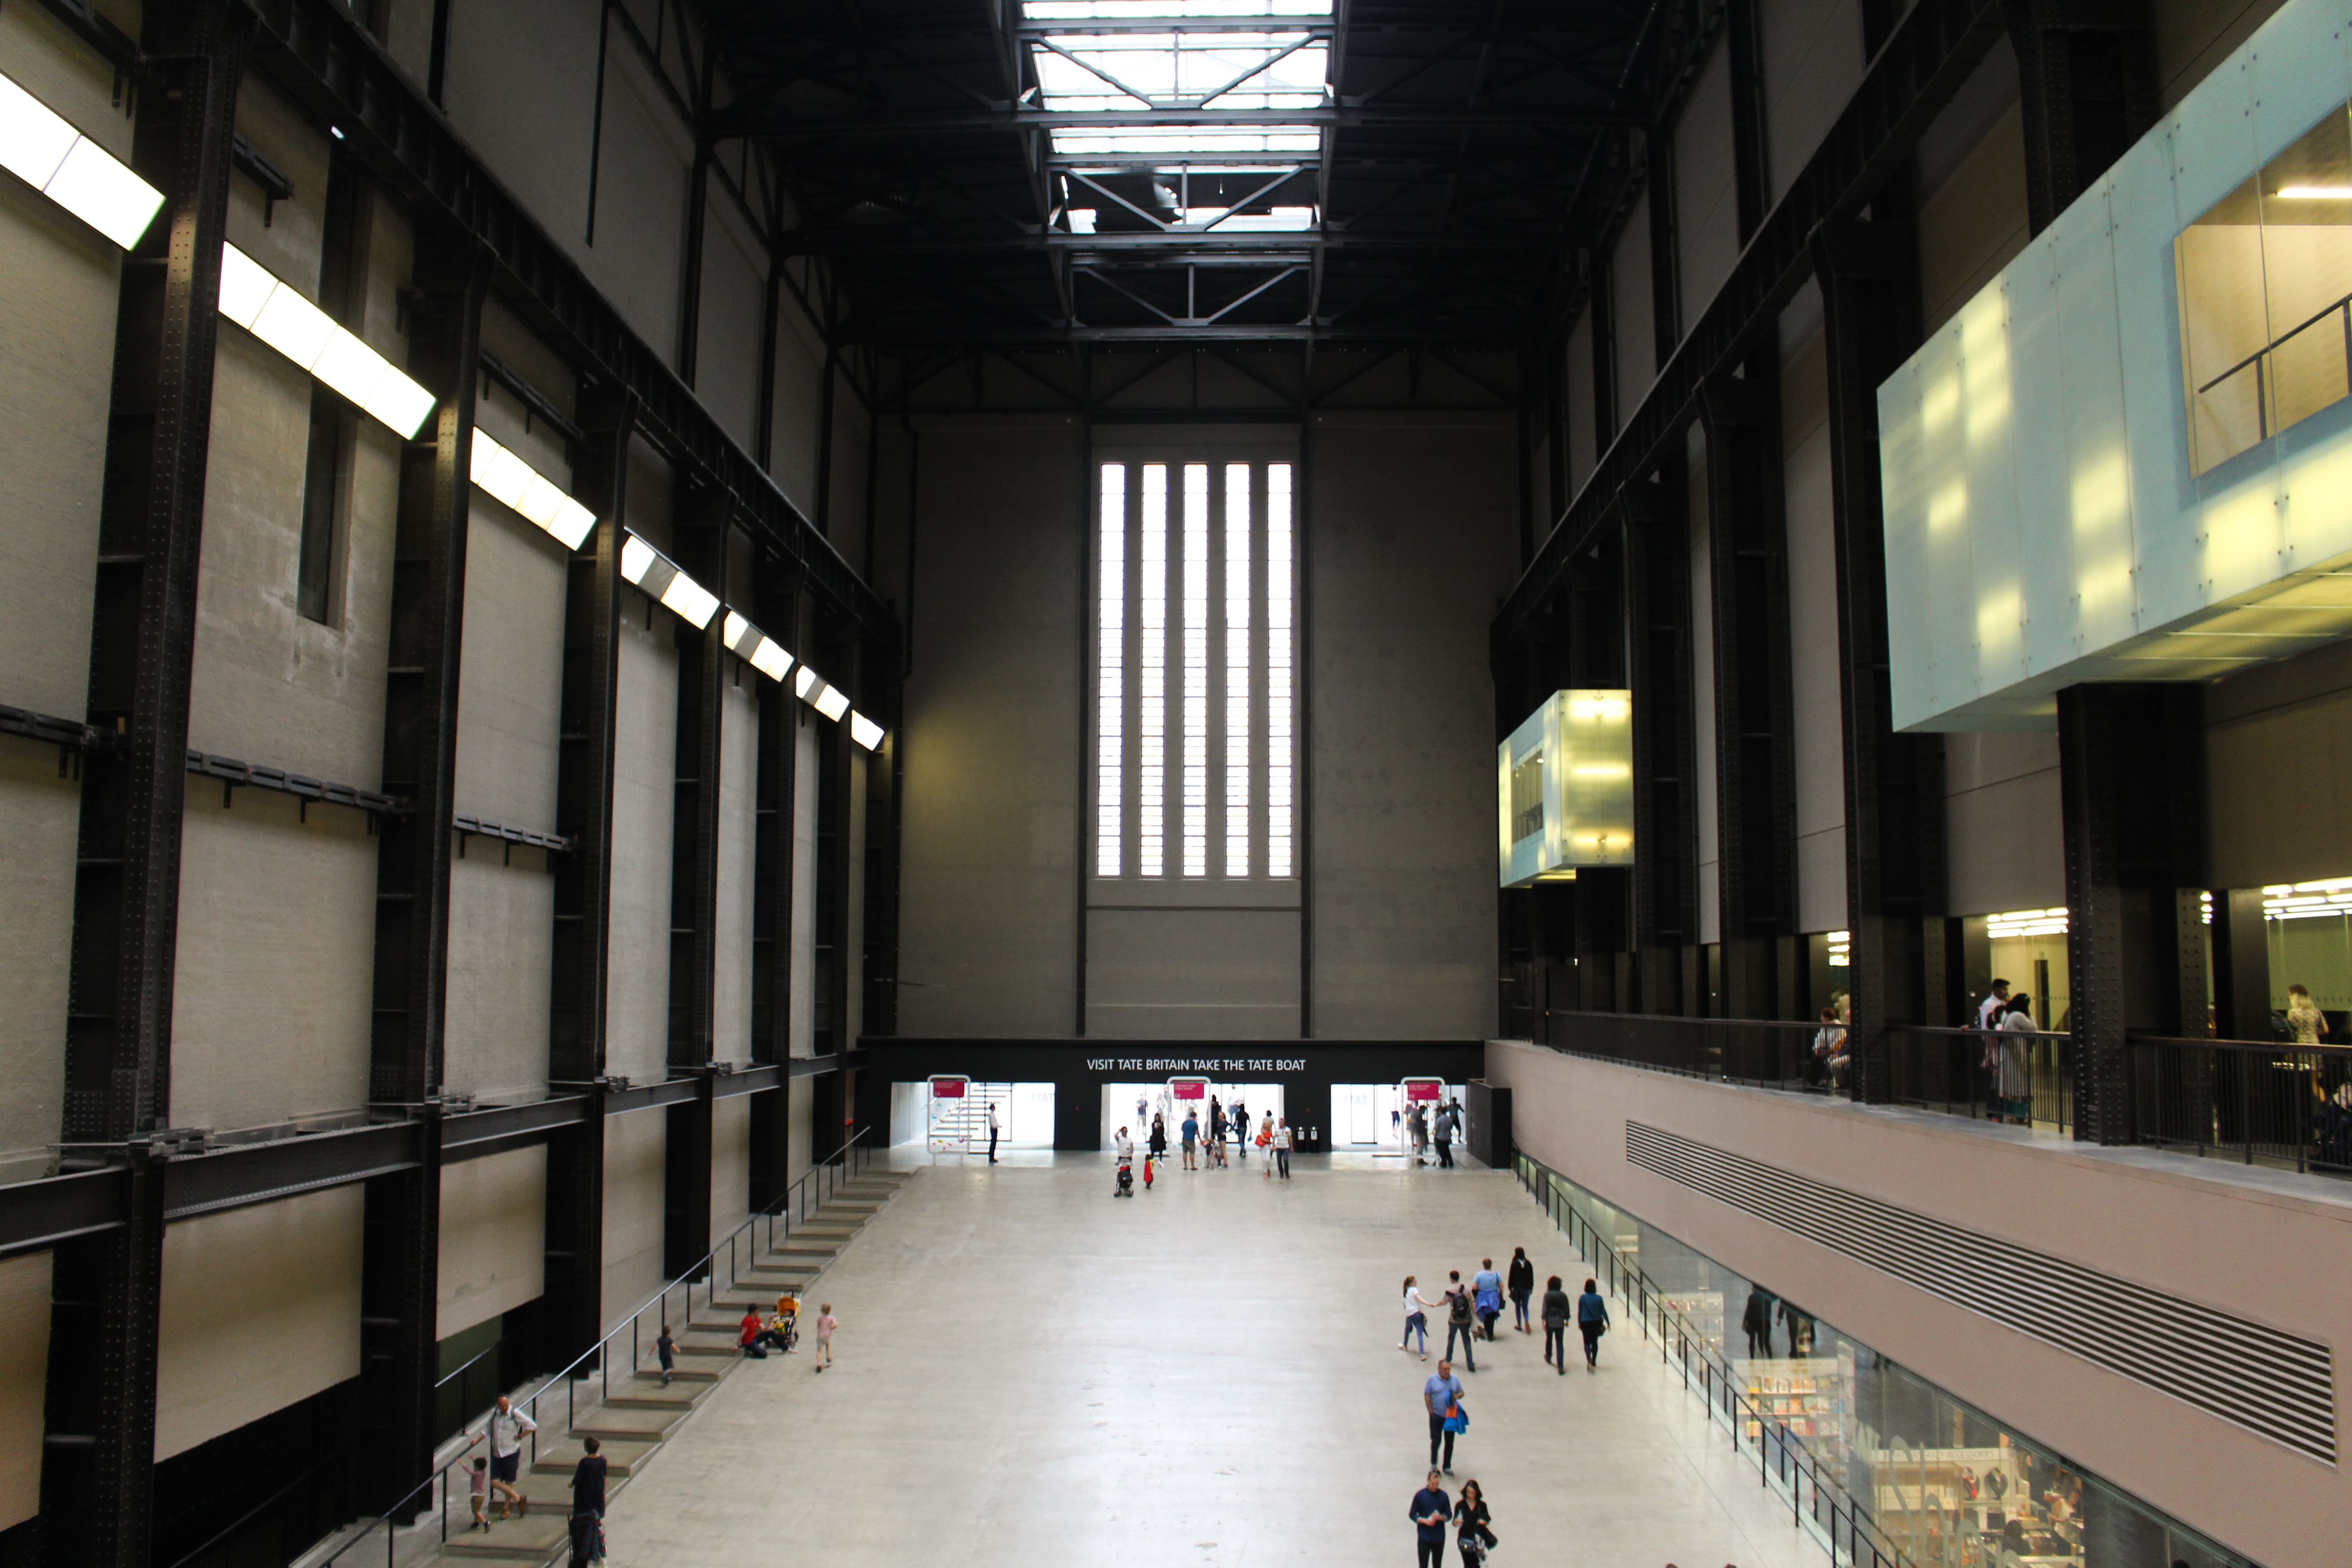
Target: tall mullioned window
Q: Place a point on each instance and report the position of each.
(1193, 627)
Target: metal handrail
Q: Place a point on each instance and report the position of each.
(1796, 1465)
(847, 1156)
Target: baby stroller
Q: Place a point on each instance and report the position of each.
(787, 1325)
(1126, 1179)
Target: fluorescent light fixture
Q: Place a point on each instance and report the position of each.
(2315, 193)
(804, 682)
(865, 730)
(645, 567)
(831, 702)
(280, 316)
(2026, 923)
(509, 480)
(748, 642)
(41, 149)
(1840, 949)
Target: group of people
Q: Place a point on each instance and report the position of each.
(1437, 1130)
(1472, 1311)
(495, 1472)
(1204, 1136)
(2009, 1072)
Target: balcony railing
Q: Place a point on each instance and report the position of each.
(2276, 1104)
(2024, 1078)
(1767, 1053)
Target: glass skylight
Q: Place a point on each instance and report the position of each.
(1086, 71)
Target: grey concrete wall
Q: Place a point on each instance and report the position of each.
(260, 1308)
(727, 353)
(635, 1145)
(989, 889)
(24, 1382)
(2193, 36)
(738, 774)
(1414, 526)
(1583, 440)
(730, 1164)
(1706, 197)
(1812, 62)
(2005, 839)
(1819, 736)
(2278, 793)
(493, 1237)
(1974, 222)
(1631, 295)
(645, 773)
(1702, 592)
(2276, 1251)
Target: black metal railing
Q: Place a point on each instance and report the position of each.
(2284, 1105)
(1764, 1052)
(2025, 1078)
(401, 1528)
(1819, 1502)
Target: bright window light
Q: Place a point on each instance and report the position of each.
(1151, 677)
(831, 702)
(1146, 10)
(771, 660)
(761, 650)
(1238, 711)
(1278, 612)
(513, 483)
(2026, 923)
(643, 566)
(637, 559)
(865, 730)
(280, 316)
(2315, 193)
(1110, 675)
(1277, 220)
(804, 682)
(40, 147)
(1196, 669)
(1840, 949)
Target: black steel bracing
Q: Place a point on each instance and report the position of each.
(2086, 78)
(106, 1288)
(1869, 276)
(316, 53)
(779, 600)
(1665, 754)
(838, 939)
(2131, 770)
(1928, 55)
(704, 666)
(1755, 766)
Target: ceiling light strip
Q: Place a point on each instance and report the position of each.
(278, 314)
(40, 147)
(515, 484)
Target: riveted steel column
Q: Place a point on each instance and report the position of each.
(400, 1274)
(96, 1477)
(703, 664)
(778, 611)
(1755, 769)
(583, 813)
(2086, 75)
(1869, 274)
(1665, 754)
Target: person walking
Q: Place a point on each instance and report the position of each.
(1461, 1321)
(2016, 1071)
(991, 1133)
(1190, 1132)
(1757, 1320)
(1416, 1321)
(1487, 1286)
(1282, 1149)
(1266, 1146)
(1429, 1509)
(508, 1427)
(1241, 1130)
(1556, 1309)
(666, 1352)
(1522, 1286)
(1591, 1322)
(1442, 1395)
(1159, 1143)
(1444, 1130)
(477, 1491)
(587, 1520)
(1472, 1535)
(826, 1323)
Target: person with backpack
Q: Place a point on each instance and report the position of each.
(1556, 1309)
(1461, 1321)
(1591, 1322)
(1522, 1286)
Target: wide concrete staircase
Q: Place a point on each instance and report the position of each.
(642, 1412)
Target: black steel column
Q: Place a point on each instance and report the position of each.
(572, 1316)
(2242, 965)
(1754, 764)
(1595, 657)
(400, 1276)
(702, 669)
(778, 602)
(1750, 168)
(2086, 75)
(1665, 754)
(96, 1474)
(2131, 776)
(835, 938)
(1869, 276)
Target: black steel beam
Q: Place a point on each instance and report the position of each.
(1929, 54)
(703, 663)
(1869, 276)
(1666, 754)
(836, 942)
(1263, 247)
(778, 601)
(318, 55)
(756, 118)
(37, 1215)
(106, 1287)
(2086, 78)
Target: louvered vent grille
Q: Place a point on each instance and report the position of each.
(2274, 1383)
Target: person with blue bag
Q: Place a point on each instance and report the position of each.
(1591, 1322)
(1442, 1396)
(1488, 1289)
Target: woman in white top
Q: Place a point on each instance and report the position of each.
(2016, 1079)
(1416, 1321)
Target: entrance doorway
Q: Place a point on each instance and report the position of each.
(1024, 1113)
(1120, 1100)
(1372, 1116)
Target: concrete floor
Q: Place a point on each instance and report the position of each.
(1032, 1372)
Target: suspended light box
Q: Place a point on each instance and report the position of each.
(1565, 787)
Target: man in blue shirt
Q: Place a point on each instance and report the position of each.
(1442, 1395)
(1488, 1286)
(1431, 1509)
(1191, 1131)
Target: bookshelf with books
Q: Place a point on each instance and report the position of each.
(1701, 1312)
(1812, 1395)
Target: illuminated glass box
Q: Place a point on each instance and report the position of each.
(1565, 787)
